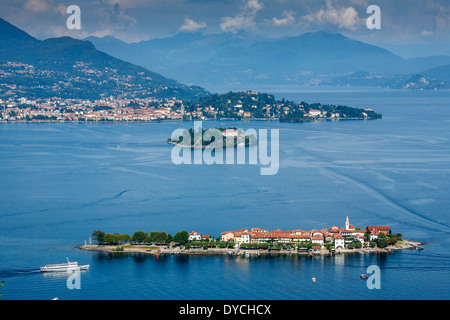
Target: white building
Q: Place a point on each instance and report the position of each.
(339, 241)
(194, 236)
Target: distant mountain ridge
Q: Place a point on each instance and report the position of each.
(437, 78)
(223, 59)
(75, 68)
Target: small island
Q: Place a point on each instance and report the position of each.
(257, 241)
(219, 138)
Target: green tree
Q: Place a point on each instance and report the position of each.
(382, 241)
(392, 240)
(161, 237)
(99, 236)
(112, 239)
(139, 236)
(181, 237)
(126, 238)
(2, 283)
(152, 236)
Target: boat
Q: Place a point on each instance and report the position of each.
(69, 266)
(363, 276)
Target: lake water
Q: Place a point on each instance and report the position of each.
(59, 182)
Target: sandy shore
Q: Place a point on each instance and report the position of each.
(155, 250)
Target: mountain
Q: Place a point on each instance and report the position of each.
(431, 79)
(223, 59)
(72, 68)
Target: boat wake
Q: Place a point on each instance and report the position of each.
(4, 274)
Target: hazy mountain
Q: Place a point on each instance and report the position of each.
(220, 59)
(432, 79)
(74, 68)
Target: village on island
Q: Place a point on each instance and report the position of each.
(256, 241)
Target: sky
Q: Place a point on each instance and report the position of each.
(406, 25)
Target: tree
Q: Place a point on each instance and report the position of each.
(126, 237)
(139, 236)
(392, 240)
(99, 236)
(181, 237)
(382, 241)
(161, 237)
(112, 239)
(2, 283)
(152, 236)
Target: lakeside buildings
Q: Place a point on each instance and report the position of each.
(336, 236)
(78, 110)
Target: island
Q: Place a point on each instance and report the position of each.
(219, 137)
(257, 241)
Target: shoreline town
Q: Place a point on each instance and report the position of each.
(257, 241)
(248, 105)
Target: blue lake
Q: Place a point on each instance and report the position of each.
(59, 182)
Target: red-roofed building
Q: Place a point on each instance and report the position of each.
(227, 236)
(194, 236)
(378, 229)
(318, 238)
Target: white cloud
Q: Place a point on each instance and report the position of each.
(191, 25)
(253, 6)
(344, 18)
(245, 19)
(234, 24)
(286, 21)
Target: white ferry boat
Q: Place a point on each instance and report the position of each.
(64, 267)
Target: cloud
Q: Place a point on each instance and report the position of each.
(243, 20)
(191, 25)
(443, 20)
(427, 33)
(234, 24)
(344, 18)
(36, 6)
(253, 6)
(286, 21)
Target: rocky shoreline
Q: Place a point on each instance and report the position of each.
(166, 250)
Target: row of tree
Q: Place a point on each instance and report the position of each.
(140, 237)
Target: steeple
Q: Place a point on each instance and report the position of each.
(347, 224)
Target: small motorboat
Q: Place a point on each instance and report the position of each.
(363, 276)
